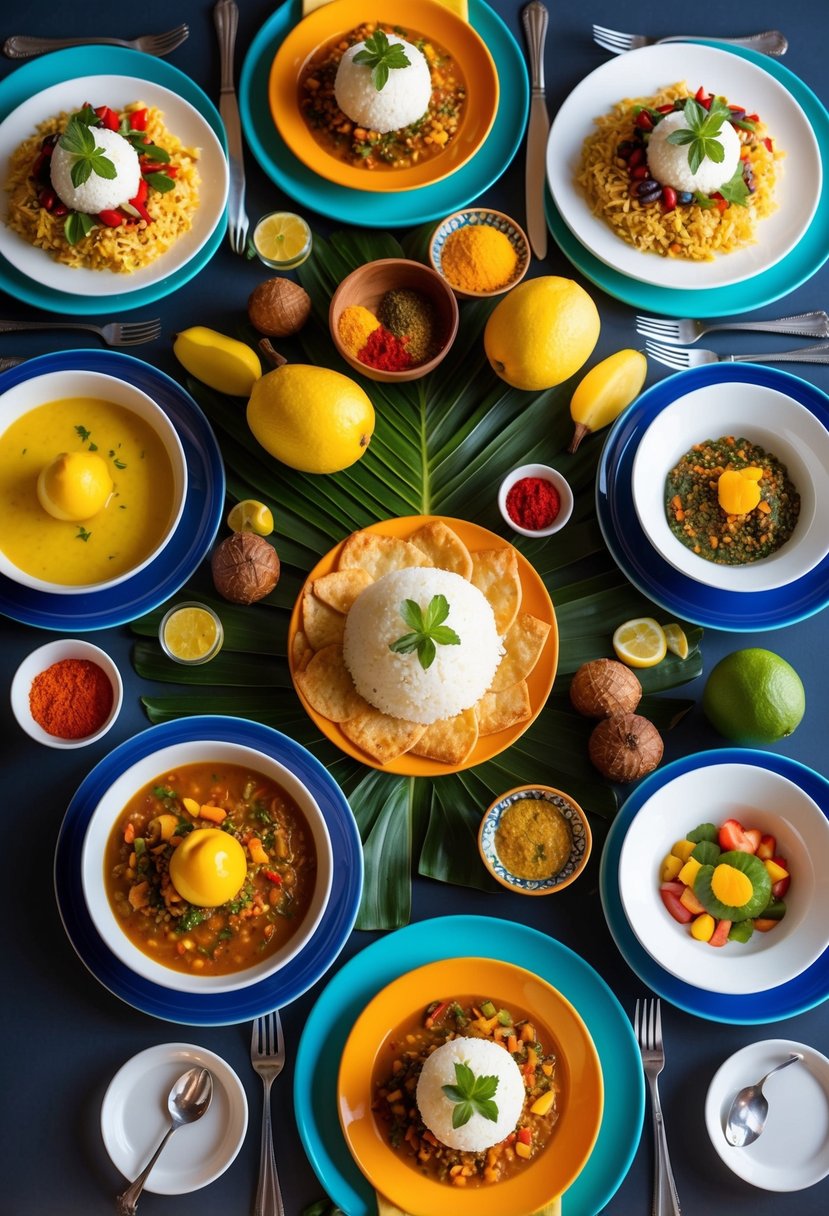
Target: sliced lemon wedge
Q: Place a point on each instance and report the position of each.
(640, 642)
(676, 640)
(251, 515)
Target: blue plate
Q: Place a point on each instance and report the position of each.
(735, 611)
(804, 992)
(224, 1008)
(47, 70)
(196, 529)
(384, 210)
(778, 281)
(344, 998)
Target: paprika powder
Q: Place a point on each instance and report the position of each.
(71, 699)
(533, 503)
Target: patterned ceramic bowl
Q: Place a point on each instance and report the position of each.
(535, 849)
(492, 219)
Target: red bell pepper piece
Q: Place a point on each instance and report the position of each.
(138, 120)
(273, 877)
(524, 1136)
(108, 117)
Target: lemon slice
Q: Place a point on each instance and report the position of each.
(282, 240)
(191, 634)
(250, 515)
(676, 640)
(640, 642)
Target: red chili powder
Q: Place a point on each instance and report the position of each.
(385, 351)
(71, 699)
(533, 503)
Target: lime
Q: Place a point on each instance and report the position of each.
(754, 696)
(640, 642)
(250, 515)
(676, 639)
(191, 633)
(282, 240)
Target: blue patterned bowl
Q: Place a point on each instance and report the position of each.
(492, 219)
(580, 843)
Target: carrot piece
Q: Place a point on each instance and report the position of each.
(215, 814)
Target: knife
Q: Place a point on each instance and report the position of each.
(226, 20)
(535, 20)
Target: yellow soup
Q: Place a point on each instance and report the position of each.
(533, 839)
(117, 537)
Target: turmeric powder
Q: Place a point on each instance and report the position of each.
(355, 327)
(478, 258)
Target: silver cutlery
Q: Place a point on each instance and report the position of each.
(226, 19)
(686, 332)
(679, 357)
(267, 1056)
(535, 19)
(649, 1033)
(749, 1110)
(117, 333)
(769, 42)
(21, 46)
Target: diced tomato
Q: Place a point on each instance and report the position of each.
(732, 837)
(767, 848)
(779, 888)
(138, 120)
(108, 117)
(755, 836)
(524, 1136)
(670, 893)
(720, 935)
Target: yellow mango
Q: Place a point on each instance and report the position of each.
(522, 1150)
(776, 872)
(683, 849)
(671, 866)
(738, 491)
(689, 871)
(703, 927)
(542, 1105)
(223, 363)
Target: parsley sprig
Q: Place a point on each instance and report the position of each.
(78, 140)
(380, 55)
(472, 1096)
(427, 629)
(701, 137)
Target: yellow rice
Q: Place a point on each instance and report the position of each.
(124, 249)
(689, 231)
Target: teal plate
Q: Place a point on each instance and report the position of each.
(408, 207)
(40, 74)
(779, 280)
(345, 997)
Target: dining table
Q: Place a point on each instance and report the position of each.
(65, 1034)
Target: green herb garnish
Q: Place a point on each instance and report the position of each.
(380, 55)
(472, 1096)
(701, 133)
(78, 225)
(82, 533)
(159, 181)
(82, 433)
(89, 158)
(735, 189)
(427, 629)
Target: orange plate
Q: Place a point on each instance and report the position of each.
(540, 680)
(424, 16)
(580, 1103)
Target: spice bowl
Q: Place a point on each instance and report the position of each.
(461, 226)
(368, 285)
(535, 840)
(66, 686)
(532, 500)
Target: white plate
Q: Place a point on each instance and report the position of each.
(793, 1151)
(117, 91)
(134, 1118)
(641, 74)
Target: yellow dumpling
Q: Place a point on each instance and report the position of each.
(208, 868)
(75, 486)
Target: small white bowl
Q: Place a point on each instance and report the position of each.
(773, 421)
(38, 661)
(560, 484)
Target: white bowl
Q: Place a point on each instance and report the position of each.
(38, 661)
(763, 416)
(110, 807)
(757, 798)
(29, 394)
(561, 485)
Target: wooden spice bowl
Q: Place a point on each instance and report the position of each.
(39, 661)
(368, 284)
(492, 219)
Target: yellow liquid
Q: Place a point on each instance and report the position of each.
(124, 532)
(191, 634)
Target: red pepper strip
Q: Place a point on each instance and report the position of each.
(524, 1136)
(141, 209)
(138, 120)
(112, 219)
(108, 117)
(666, 109)
(752, 117)
(143, 191)
(436, 1014)
(768, 142)
(273, 877)
(148, 165)
(700, 94)
(170, 170)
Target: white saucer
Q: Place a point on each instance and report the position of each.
(793, 1151)
(134, 1118)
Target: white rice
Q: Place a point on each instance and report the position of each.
(668, 163)
(98, 193)
(486, 1059)
(403, 99)
(396, 684)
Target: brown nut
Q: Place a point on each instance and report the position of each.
(604, 687)
(625, 747)
(245, 568)
(279, 307)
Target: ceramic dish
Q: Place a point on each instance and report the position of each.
(217, 1008)
(540, 680)
(561, 1030)
(560, 484)
(807, 990)
(472, 217)
(407, 208)
(580, 844)
(134, 1118)
(794, 1150)
(41, 659)
(202, 513)
(344, 998)
(644, 72)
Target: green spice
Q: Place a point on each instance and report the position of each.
(412, 317)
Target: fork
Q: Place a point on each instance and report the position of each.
(267, 1055)
(226, 20)
(770, 42)
(117, 333)
(649, 1034)
(686, 332)
(21, 46)
(679, 356)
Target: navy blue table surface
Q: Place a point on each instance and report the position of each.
(63, 1035)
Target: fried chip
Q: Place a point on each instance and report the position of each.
(523, 643)
(495, 574)
(323, 626)
(381, 736)
(301, 651)
(379, 555)
(340, 589)
(498, 710)
(328, 688)
(449, 740)
(443, 547)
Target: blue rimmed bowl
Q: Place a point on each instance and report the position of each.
(581, 840)
(470, 217)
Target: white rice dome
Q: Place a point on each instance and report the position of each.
(668, 163)
(98, 193)
(486, 1059)
(396, 684)
(403, 99)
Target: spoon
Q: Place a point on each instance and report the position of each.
(750, 1108)
(187, 1101)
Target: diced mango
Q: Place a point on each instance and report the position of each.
(731, 886)
(689, 900)
(776, 872)
(683, 849)
(522, 1150)
(689, 871)
(703, 927)
(670, 868)
(191, 806)
(543, 1105)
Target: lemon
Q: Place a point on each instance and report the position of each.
(75, 486)
(754, 696)
(541, 333)
(208, 867)
(250, 515)
(676, 640)
(191, 633)
(223, 363)
(282, 240)
(311, 418)
(640, 642)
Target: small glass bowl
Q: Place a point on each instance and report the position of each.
(39, 661)
(213, 647)
(560, 484)
(287, 263)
